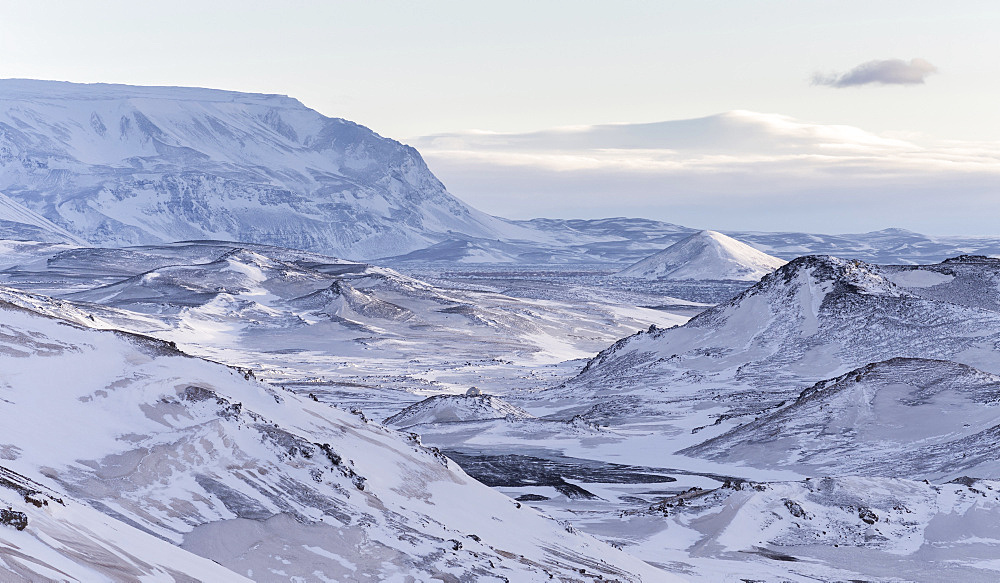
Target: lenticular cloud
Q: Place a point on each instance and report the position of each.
(884, 72)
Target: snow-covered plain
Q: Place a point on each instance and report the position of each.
(322, 325)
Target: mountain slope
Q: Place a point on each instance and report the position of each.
(706, 255)
(901, 418)
(261, 481)
(50, 537)
(116, 164)
(813, 319)
(20, 224)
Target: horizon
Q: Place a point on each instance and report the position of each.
(521, 291)
(416, 73)
(467, 165)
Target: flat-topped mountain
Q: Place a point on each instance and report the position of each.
(117, 164)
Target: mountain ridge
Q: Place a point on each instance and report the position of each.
(122, 165)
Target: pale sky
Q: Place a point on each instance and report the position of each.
(411, 69)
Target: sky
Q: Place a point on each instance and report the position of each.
(923, 73)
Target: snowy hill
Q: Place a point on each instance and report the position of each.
(259, 480)
(705, 255)
(900, 418)
(812, 319)
(456, 408)
(118, 165)
(969, 280)
(50, 537)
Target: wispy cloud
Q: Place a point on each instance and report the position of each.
(884, 72)
(738, 170)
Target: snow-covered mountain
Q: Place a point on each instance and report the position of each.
(812, 319)
(825, 367)
(261, 481)
(899, 418)
(706, 255)
(456, 409)
(118, 165)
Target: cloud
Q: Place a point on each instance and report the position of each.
(886, 72)
(738, 170)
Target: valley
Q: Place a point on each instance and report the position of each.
(241, 340)
(696, 402)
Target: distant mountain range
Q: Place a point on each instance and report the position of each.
(117, 165)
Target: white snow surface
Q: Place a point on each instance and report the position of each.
(65, 540)
(266, 483)
(833, 529)
(19, 223)
(730, 396)
(117, 164)
(706, 255)
(456, 409)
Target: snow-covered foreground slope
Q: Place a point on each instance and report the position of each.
(266, 483)
(831, 529)
(706, 255)
(116, 164)
(730, 396)
(47, 537)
